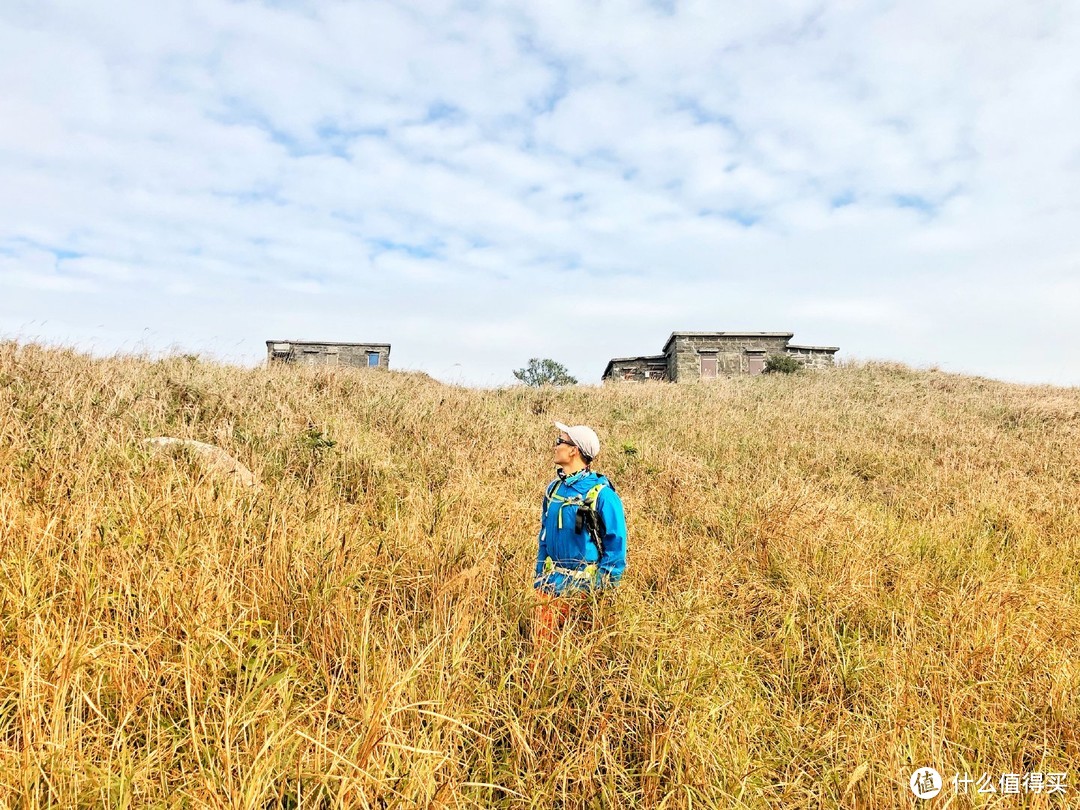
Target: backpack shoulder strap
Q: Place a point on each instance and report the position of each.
(589, 517)
(593, 495)
(549, 492)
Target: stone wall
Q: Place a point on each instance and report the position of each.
(309, 353)
(685, 352)
(637, 369)
(813, 357)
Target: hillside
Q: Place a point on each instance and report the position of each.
(834, 579)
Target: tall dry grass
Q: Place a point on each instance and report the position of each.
(833, 579)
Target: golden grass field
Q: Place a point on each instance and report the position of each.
(833, 579)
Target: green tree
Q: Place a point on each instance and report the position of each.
(544, 372)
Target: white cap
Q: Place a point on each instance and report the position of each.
(584, 437)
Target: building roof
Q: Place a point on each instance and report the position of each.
(325, 343)
(815, 348)
(674, 335)
(615, 360)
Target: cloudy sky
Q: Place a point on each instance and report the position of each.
(480, 182)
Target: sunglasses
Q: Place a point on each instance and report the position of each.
(561, 440)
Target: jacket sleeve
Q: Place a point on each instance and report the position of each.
(613, 563)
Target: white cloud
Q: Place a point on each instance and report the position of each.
(897, 179)
(863, 312)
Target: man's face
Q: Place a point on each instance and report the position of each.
(565, 450)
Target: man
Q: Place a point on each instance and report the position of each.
(582, 542)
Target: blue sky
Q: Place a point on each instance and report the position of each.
(479, 183)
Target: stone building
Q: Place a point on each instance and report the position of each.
(328, 353)
(702, 355)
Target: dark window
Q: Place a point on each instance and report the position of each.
(372, 359)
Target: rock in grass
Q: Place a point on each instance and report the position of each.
(216, 458)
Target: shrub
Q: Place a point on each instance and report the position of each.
(782, 364)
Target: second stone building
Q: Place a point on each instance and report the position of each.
(703, 355)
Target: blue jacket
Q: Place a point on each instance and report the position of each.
(572, 552)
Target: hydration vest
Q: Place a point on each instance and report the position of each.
(588, 517)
